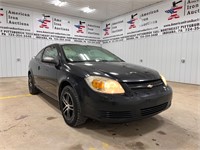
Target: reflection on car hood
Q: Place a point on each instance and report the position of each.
(121, 71)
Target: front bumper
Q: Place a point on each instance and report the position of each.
(125, 108)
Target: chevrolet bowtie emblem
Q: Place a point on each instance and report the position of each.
(150, 86)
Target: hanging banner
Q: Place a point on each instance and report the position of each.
(86, 31)
(160, 19)
(47, 26)
(180, 16)
(15, 22)
(141, 24)
(113, 29)
(44, 25)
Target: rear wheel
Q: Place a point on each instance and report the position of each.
(70, 107)
(31, 85)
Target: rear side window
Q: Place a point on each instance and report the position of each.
(50, 52)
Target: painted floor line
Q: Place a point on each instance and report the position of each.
(16, 96)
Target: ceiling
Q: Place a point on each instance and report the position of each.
(105, 9)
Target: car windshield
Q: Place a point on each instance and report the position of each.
(80, 53)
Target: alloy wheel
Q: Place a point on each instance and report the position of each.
(68, 106)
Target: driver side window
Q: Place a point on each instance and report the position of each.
(50, 52)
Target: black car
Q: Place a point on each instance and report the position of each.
(91, 82)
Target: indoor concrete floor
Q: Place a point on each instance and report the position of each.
(35, 122)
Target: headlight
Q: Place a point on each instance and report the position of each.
(164, 80)
(104, 85)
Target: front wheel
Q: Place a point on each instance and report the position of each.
(31, 85)
(70, 107)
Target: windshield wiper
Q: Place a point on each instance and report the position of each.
(103, 61)
(84, 61)
(109, 61)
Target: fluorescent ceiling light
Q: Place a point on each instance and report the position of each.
(59, 3)
(87, 10)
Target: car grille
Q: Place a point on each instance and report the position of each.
(116, 114)
(132, 114)
(144, 84)
(152, 110)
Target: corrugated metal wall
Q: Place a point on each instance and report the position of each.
(15, 54)
(164, 53)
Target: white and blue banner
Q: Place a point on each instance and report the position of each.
(173, 16)
(19, 22)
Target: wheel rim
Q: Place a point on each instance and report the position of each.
(68, 106)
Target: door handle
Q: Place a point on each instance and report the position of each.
(38, 67)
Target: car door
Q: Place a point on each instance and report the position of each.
(48, 71)
(35, 67)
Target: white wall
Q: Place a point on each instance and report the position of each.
(12, 48)
(164, 53)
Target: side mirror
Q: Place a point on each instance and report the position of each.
(51, 60)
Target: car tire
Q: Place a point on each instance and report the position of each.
(31, 85)
(70, 107)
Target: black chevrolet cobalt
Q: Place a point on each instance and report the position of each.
(91, 82)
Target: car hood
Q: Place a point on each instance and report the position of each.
(121, 71)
